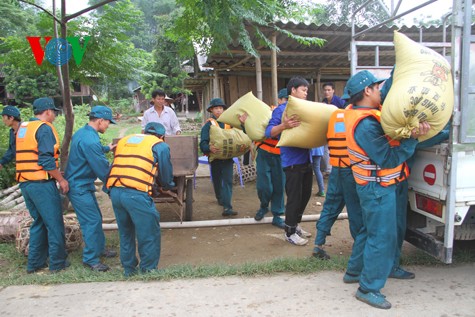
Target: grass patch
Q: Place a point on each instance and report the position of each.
(197, 133)
(137, 128)
(121, 128)
(13, 268)
(13, 271)
(112, 132)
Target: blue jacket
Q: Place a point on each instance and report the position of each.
(86, 160)
(161, 155)
(336, 101)
(10, 153)
(289, 155)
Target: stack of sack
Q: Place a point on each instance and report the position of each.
(422, 90)
(314, 118)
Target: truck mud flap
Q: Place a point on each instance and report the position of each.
(429, 244)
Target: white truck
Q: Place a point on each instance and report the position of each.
(441, 205)
(442, 181)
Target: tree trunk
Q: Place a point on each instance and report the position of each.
(67, 103)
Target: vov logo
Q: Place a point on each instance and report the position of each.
(58, 51)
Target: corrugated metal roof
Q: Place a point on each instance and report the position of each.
(332, 57)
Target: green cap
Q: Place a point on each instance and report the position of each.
(102, 112)
(358, 82)
(42, 104)
(216, 102)
(11, 111)
(154, 128)
(283, 93)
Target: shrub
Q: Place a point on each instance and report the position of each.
(123, 106)
(7, 175)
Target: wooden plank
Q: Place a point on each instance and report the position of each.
(233, 87)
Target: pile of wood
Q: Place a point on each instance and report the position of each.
(12, 206)
(72, 234)
(11, 199)
(9, 224)
(15, 222)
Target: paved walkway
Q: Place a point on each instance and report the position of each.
(436, 291)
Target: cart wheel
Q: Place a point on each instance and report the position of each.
(189, 200)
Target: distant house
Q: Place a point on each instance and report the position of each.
(183, 103)
(80, 93)
(140, 102)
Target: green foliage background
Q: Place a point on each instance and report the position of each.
(7, 174)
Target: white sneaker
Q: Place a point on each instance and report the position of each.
(302, 233)
(296, 239)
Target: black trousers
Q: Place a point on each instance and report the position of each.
(298, 187)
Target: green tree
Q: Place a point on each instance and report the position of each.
(7, 174)
(109, 57)
(145, 34)
(168, 73)
(26, 85)
(101, 62)
(425, 20)
(16, 19)
(341, 11)
(112, 57)
(22, 76)
(212, 25)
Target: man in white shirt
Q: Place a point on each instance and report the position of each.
(161, 114)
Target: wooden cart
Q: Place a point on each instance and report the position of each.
(184, 157)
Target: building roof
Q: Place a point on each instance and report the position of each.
(333, 56)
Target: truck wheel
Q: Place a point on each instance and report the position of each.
(189, 200)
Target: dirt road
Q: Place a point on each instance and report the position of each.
(235, 244)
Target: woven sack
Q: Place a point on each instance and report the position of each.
(314, 118)
(257, 120)
(231, 142)
(422, 90)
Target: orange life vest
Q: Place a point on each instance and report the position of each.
(215, 123)
(336, 136)
(27, 168)
(268, 145)
(133, 165)
(362, 167)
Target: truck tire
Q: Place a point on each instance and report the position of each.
(189, 200)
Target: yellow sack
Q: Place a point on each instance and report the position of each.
(314, 118)
(257, 120)
(422, 90)
(232, 142)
